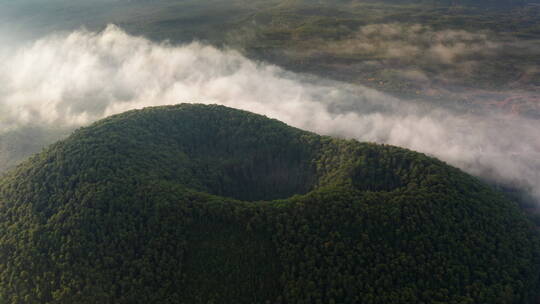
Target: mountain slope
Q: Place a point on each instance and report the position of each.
(208, 204)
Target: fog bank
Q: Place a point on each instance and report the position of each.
(69, 80)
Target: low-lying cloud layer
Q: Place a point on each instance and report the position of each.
(407, 42)
(422, 53)
(66, 81)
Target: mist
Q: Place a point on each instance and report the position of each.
(64, 81)
(423, 54)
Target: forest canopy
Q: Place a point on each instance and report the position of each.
(209, 204)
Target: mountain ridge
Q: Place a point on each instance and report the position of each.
(198, 204)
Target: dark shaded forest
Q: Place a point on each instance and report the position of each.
(208, 204)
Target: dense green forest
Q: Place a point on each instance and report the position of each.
(467, 55)
(208, 204)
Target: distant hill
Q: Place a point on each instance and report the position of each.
(20, 143)
(477, 3)
(208, 204)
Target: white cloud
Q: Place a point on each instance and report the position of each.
(73, 79)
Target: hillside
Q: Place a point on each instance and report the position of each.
(20, 143)
(208, 204)
(473, 58)
(470, 56)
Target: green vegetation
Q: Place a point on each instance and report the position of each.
(19, 143)
(207, 204)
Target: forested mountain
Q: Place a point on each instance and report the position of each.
(208, 204)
